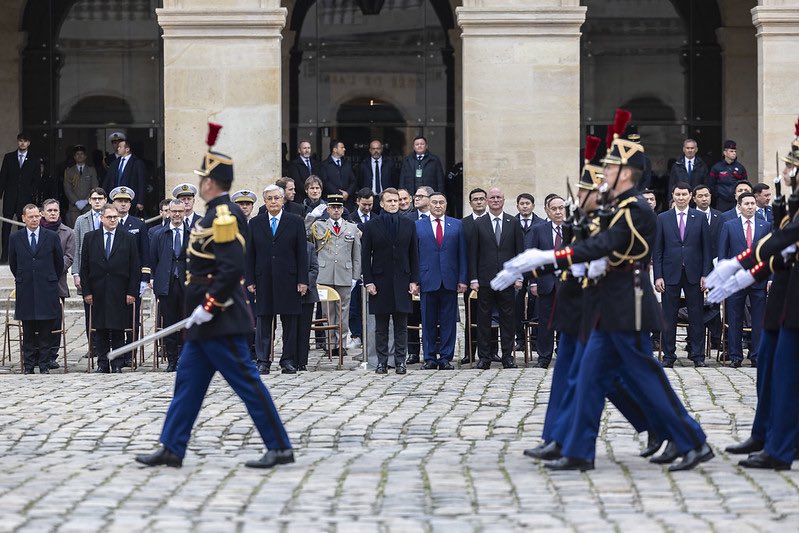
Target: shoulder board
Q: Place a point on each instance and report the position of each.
(225, 226)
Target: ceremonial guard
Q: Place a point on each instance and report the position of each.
(620, 343)
(216, 338)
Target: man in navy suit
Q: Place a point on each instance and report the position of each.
(128, 171)
(376, 172)
(735, 211)
(702, 198)
(547, 236)
(442, 275)
(301, 167)
(37, 261)
(681, 260)
(736, 236)
(762, 194)
(337, 175)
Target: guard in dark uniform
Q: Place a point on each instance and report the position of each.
(724, 176)
(216, 338)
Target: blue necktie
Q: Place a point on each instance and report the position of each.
(176, 248)
(120, 170)
(33, 242)
(274, 226)
(107, 244)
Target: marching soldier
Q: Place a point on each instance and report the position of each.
(216, 338)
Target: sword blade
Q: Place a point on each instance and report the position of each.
(169, 330)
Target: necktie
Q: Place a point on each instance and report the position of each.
(439, 233)
(419, 157)
(558, 238)
(121, 169)
(97, 221)
(682, 226)
(186, 223)
(33, 242)
(708, 216)
(761, 213)
(748, 233)
(690, 167)
(526, 223)
(336, 227)
(274, 225)
(107, 244)
(177, 245)
(338, 163)
(21, 159)
(308, 164)
(377, 187)
(80, 170)
(365, 219)
(497, 230)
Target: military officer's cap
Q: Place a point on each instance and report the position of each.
(793, 153)
(244, 196)
(217, 166)
(122, 193)
(621, 151)
(730, 145)
(78, 148)
(335, 200)
(633, 135)
(591, 176)
(116, 136)
(184, 189)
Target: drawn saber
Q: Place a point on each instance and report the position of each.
(169, 330)
(14, 222)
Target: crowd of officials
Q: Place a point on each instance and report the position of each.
(380, 228)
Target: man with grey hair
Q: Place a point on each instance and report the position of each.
(277, 273)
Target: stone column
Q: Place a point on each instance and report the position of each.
(521, 95)
(11, 42)
(222, 62)
(777, 24)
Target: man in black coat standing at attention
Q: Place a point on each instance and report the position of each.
(301, 167)
(277, 273)
(497, 238)
(18, 177)
(128, 171)
(390, 269)
(109, 275)
(376, 172)
(337, 175)
(37, 262)
(420, 168)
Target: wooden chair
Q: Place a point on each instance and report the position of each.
(416, 302)
(329, 297)
(158, 345)
(92, 331)
(11, 323)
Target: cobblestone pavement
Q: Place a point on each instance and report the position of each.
(428, 451)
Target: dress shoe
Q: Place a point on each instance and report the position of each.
(698, 363)
(754, 363)
(400, 369)
(171, 367)
(412, 359)
(102, 370)
(750, 445)
(509, 363)
(446, 366)
(691, 459)
(44, 370)
(288, 368)
(653, 444)
(28, 371)
(430, 365)
(519, 346)
(669, 455)
(483, 364)
(272, 458)
(381, 369)
(736, 364)
(161, 457)
(764, 460)
(546, 452)
(52, 365)
(466, 361)
(570, 463)
(302, 368)
(263, 368)
(496, 359)
(667, 364)
(542, 364)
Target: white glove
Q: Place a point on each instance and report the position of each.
(724, 270)
(319, 210)
(198, 316)
(597, 268)
(80, 204)
(142, 287)
(504, 279)
(530, 260)
(787, 252)
(741, 280)
(578, 270)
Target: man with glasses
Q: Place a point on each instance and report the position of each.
(85, 223)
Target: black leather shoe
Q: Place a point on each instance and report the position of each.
(465, 361)
(519, 346)
(698, 363)
(302, 368)
(570, 463)
(400, 369)
(483, 364)
(412, 359)
(44, 370)
(171, 367)
(101, 370)
(29, 371)
(735, 364)
(161, 457)
(263, 368)
(750, 445)
(542, 364)
(546, 452)
(446, 366)
(653, 444)
(765, 461)
(430, 365)
(509, 363)
(381, 369)
(288, 368)
(272, 458)
(667, 364)
(52, 365)
(691, 459)
(496, 359)
(669, 455)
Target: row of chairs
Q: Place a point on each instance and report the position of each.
(16, 325)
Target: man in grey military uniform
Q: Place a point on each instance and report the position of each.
(338, 247)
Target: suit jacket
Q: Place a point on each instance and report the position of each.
(195, 217)
(36, 274)
(715, 228)
(468, 228)
(339, 256)
(442, 266)
(486, 257)
(541, 238)
(66, 236)
(18, 184)
(312, 296)
(275, 265)
(388, 177)
(391, 262)
(528, 232)
(77, 187)
(136, 227)
(163, 259)
(672, 253)
(731, 214)
(356, 219)
(432, 173)
(83, 225)
(679, 172)
(110, 280)
(732, 240)
(765, 214)
(335, 178)
(134, 175)
(298, 171)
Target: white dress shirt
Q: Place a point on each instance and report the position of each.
(434, 224)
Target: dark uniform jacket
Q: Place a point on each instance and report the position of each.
(431, 169)
(722, 179)
(18, 184)
(36, 274)
(136, 227)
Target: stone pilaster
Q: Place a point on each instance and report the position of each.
(777, 25)
(222, 61)
(521, 95)
(11, 42)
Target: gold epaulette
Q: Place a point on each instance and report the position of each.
(225, 226)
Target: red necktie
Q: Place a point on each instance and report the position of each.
(439, 233)
(748, 233)
(558, 238)
(336, 227)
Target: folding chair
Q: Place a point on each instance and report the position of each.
(416, 302)
(63, 332)
(11, 322)
(126, 330)
(329, 297)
